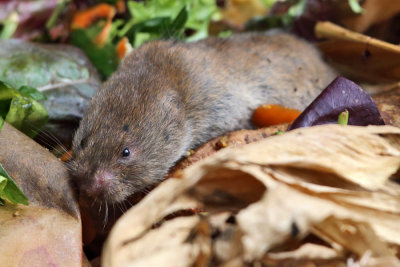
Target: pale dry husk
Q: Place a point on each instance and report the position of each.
(318, 195)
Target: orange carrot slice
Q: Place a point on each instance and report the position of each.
(268, 115)
(102, 37)
(66, 156)
(84, 19)
(123, 47)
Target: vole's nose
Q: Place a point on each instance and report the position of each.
(102, 180)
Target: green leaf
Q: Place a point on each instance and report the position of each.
(27, 115)
(1, 123)
(355, 6)
(297, 9)
(6, 94)
(177, 26)
(21, 110)
(32, 93)
(143, 37)
(6, 91)
(343, 118)
(148, 30)
(3, 183)
(10, 25)
(186, 14)
(154, 25)
(11, 191)
(269, 3)
(51, 22)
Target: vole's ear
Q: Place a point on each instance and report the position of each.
(125, 128)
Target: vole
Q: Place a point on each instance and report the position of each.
(167, 97)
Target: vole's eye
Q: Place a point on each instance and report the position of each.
(126, 152)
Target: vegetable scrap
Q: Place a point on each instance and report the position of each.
(66, 156)
(20, 108)
(268, 115)
(107, 39)
(343, 118)
(341, 94)
(86, 18)
(9, 190)
(123, 48)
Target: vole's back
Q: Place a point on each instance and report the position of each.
(221, 81)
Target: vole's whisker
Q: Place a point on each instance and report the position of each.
(130, 203)
(119, 206)
(125, 207)
(55, 140)
(49, 135)
(68, 166)
(47, 143)
(106, 215)
(145, 190)
(94, 202)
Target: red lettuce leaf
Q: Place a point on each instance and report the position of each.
(342, 94)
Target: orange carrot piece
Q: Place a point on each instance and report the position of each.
(102, 37)
(66, 156)
(121, 7)
(84, 19)
(123, 47)
(268, 115)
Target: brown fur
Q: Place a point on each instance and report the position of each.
(168, 97)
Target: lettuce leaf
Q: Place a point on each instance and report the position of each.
(21, 109)
(9, 190)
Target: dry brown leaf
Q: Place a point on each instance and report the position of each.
(357, 237)
(307, 251)
(329, 149)
(358, 56)
(368, 261)
(276, 192)
(388, 103)
(168, 243)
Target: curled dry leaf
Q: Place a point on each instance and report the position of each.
(257, 201)
(358, 56)
(388, 103)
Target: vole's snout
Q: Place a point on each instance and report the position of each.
(101, 183)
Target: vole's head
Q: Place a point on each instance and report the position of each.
(131, 134)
